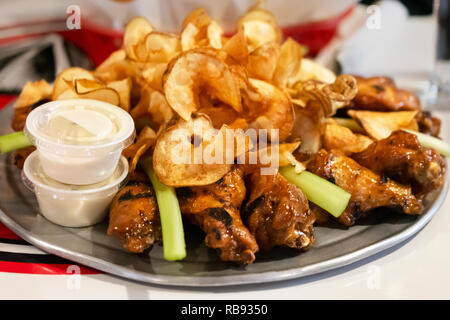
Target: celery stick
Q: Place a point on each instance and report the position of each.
(428, 141)
(323, 193)
(349, 123)
(169, 211)
(13, 141)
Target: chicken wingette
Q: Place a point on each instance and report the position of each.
(134, 217)
(401, 158)
(277, 213)
(215, 208)
(368, 190)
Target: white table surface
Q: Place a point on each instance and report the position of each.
(416, 269)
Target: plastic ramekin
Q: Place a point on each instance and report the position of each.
(78, 163)
(78, 207)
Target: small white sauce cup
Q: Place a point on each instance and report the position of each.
(72, 207)
(81, 162)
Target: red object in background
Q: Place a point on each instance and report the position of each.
(5, 99)
(99, 42)
(316, 35)
(5, 233)
(42, 268)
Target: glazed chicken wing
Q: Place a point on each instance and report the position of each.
(277, 213)
(381, 94)
(216, 209)
(428, 124)
(401, 158)
(368, 190)
(134, 217)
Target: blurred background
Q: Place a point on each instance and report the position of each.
(407, 40)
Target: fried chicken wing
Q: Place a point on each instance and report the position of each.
(368, 190)
(216, 209)
(401, 158)
(381, 94)
(277, 213)
(428, 124)
(134, 217)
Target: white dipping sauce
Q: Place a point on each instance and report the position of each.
(79, 141)
(72, 205)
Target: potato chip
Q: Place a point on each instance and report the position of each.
(159, 109)
(236, 46)
(330, 96)
(158, 47)
(116, 56)
(66, 77)
(260, 27)
(86, 85)
(262, 62)
(178, 160)
(199, 18)
(311, 70)
(200, 70)
(188, 37)
(289, 63)
(214, 34)
(343, 139)
(135, 32)
(33, 92)
(145, 140)
(153, 75)
(271, 108)
(308, 127)
(123, 89)
(104, 94)
(380, 125)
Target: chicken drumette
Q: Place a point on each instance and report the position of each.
(402, 158)
(134, 217)
(216, 209)
(277, 213)
(368, 190)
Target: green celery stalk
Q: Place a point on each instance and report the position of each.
(323, 193)
(428, 141)
(13, 141)
(349, 123)
(170, 214)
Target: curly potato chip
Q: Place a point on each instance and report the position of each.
(272, 108)
(86, 85)
(188, 37)
(380, 125)
(330, 96)
(116, 56)
(33, 92)
(214, 34)
(123, 89)
(260, 26)
(199, 70)
(311, 70)
(289, 63)
(343, 139)
(145, 140)
(198, 17)
(262, 62)
(158, 47)
(135, 32)
(236, 46)
(178, 155)
(65, 78)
